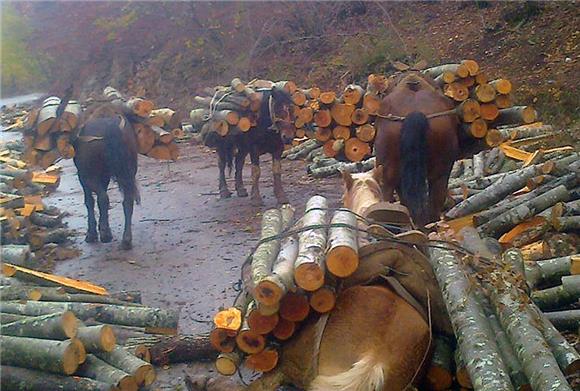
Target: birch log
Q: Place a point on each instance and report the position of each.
(309, 267)
(342, 256)
(474, 337)
(266, 253)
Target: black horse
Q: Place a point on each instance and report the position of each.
(105, 148)
(275, 127)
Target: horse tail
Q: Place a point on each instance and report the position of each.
(413, 149)
(367, 374)
(230, 154)
(121, 163)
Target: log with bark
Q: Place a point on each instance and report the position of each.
(559, 296)
(564, 320)
(58, 326)
(549, 271)
(95, 368)
(97, 338)
(119, 358)
(15, 254)
(342, 254)
(309, 267)
(166, 350)
(439, 375)
(14, 378)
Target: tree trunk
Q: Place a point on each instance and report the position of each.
(458, 69)
(507, 220)
(439, 375)
(9, 318)
(227, 363)
(57, 326)
(15, 254)
(516, 115)
(294, 306)
(119, 358)
(372, 103)
(223, 340)
(327, 97)
(353, 94)
(360, 116)
(551, 270)
(23, 379)
(175, 349)
(97, 369)
(559, 296)
(97, 338)
(271, 289)
(43, 354)
(309, 266)
(342, 254)
(323, 134)
(489, 111)
(565, 224)
(341, 132)
(475, 339)
(564, 320)
(494, 193)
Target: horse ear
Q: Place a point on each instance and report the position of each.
(420, 65)
(378, 174)
(347, 179)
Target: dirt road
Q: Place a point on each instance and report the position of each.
(188, 244)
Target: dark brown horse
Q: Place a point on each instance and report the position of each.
(417, 143)
(106, 147)
(275, 127)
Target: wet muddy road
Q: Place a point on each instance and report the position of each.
(188, 245)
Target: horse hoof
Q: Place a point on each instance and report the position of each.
(126, 245)
(91, 237)
(106, 238)
(225, 194)
(242, 193)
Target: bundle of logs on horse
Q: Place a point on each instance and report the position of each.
(156, 129)
(30, 229)
(60, 333)
(232, 109)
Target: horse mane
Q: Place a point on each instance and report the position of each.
(363, 188)
(280, 96)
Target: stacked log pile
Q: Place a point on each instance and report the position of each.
(287, 279)
(30, 230)
(60, 333)
(156, 129)
(233, 109)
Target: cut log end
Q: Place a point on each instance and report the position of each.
(439, 378)
(80, 350)
(71, 357)
(309, 276)
(250, 342)
(323, 300)
(268, 293)
(222, 340)
(229, 319)
(262, 324)
(227, 363)
(294, 307)
(69, 324)
(284, 329)
(342, 261)
(264, 361)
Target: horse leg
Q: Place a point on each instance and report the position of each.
(222, 161)
(128, 202)
(91, 236)
(103, 202)
(390, 181)
(277, 174)
(256, 198)
(239, 164)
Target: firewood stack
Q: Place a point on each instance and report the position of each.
(156, 129)
(28, 225)
(287, 279)
(48, 138)
(58, 332)
(233, 109)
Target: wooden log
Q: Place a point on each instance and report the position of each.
(119, 358)
(484, 93)
(446, 77)
(198, 116)
(493, 138)
(503, 101)
(467, 81)
(309, 267)
(15, 254)
(327, 97)
(475, 129)
(264, 361)
(9, 318)
(507, 220)
(59, 326)
(227, 363)
(372, 103)
(489, 111)
(272, 288)
(559, 296)
(377, 84)
(97, 338)
(366, 133)
(323, 134)
(342, 113)
(45, 220)
(461, 373)
(323, 299)
(160, 152)
(294, 306)
(47, 115)
(14, 378)
(460, 70)
(342, 255)
(223, 340)
(502, 86)
(341, 132)
(564, 320)
(95, 368)
(526, 232)
(551, 270)
(476, 343)
(259, 323)
(468, 110)
(439, 375)
(565, 224)
(356, 150)
(360, 116)
(40, 238)
(43, 354)
(164, 350)
(353, 94)
(472, 67)
(284, 329)
(145, 138)
(495, 192)
(516, 115)
(456, 91)
(306, 114)
(80, 350)
(43, 142)
(248, 341)
(312, 93)
(322, 118)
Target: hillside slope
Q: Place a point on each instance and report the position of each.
(170, 50)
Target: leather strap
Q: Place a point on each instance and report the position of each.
(405, 295)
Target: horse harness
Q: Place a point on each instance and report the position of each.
(392, 117)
